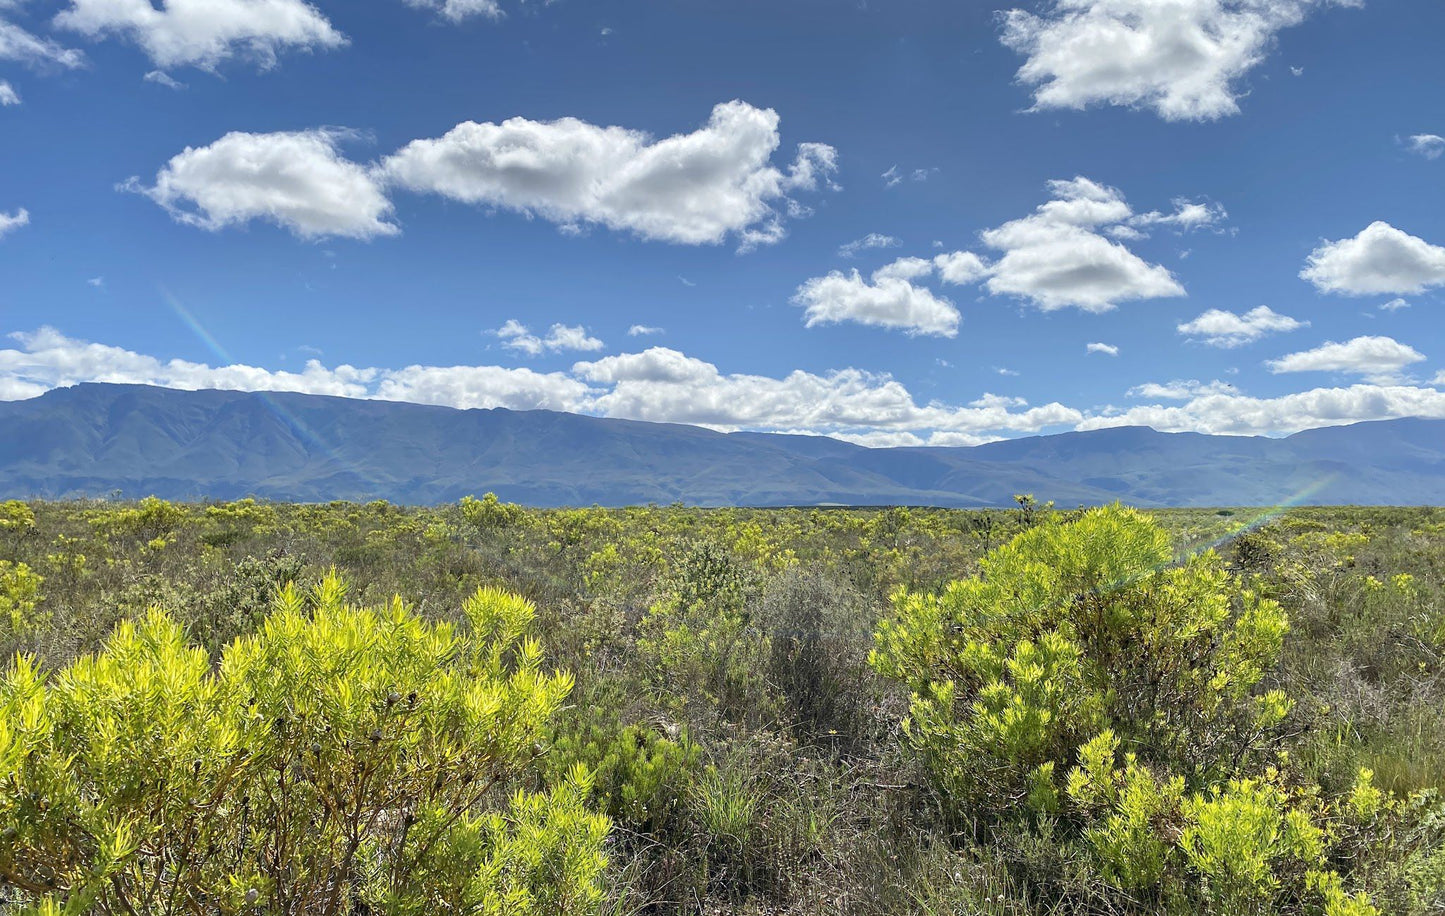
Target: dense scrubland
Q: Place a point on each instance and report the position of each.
(479, 708)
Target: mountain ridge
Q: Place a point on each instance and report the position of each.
(96, 439)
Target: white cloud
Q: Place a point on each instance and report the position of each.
(1182, 59)
(516, 336)
(890, 300)
(665, 385)
(869, 241)
(18, 44)
(1219, 328)
(8, 95)
(1226, 414)
(1428, 145)
(483, 387)
(1181, 389)
(97, 282)
(299, 181)
(48, 359)
(1394, 305)
(960, 267)
(1105, 349)
(205, 33)
(1057, 258)
(162, 78)
(1381, 259)
(1377, 358)
(458, 10)
(990, 399)
(657, 384)
(905, 269)
(696, 188)
(1188, 216)
(9, 222)
(642, 330)
(894, 176)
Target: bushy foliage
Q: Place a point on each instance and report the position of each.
(1074, 628)
(1085, 675)
(702, 634)
(19, 598)
(641, 777)
(342, 759)
(748, 755)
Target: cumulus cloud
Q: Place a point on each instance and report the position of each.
(1181, 389)
(665, 385)
(483, 387)
(1428, 145)
(8, 95)
(1102, 348)
(49, 359)
(516, 336)
(695, 188)
(642, 330)
(1394, 305)
(889, 300)
(205, 33)
(1057, 256)
(960, 268)
(1182, 59)
(869, 241)
(299, 181)
(1377, 358)
(905, 269)
(1381, 259)
(1235, 414)
(658, 384)
(9, 222)
(1219, 328)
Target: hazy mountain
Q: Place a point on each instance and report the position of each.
(102, 439)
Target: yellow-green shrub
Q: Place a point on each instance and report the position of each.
(1083, 639)
(1075, 627)
(19, 598)
(338, 759)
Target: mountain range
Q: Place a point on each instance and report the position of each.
(133, 441)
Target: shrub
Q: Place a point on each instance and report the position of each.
(340, 760)
(1084, 638)
(1073, 628)
(640, 776)
(489, 513)
(19, 598)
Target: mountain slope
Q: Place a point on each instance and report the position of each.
(98, 439)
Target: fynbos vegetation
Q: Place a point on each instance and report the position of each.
(260, 708)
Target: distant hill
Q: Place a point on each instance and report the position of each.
(135, 440)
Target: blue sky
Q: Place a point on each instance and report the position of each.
(1212, 215)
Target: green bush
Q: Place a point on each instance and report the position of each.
(1084, 639)
(340, 760)
(640, 777)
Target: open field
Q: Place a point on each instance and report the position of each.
(749, 753)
